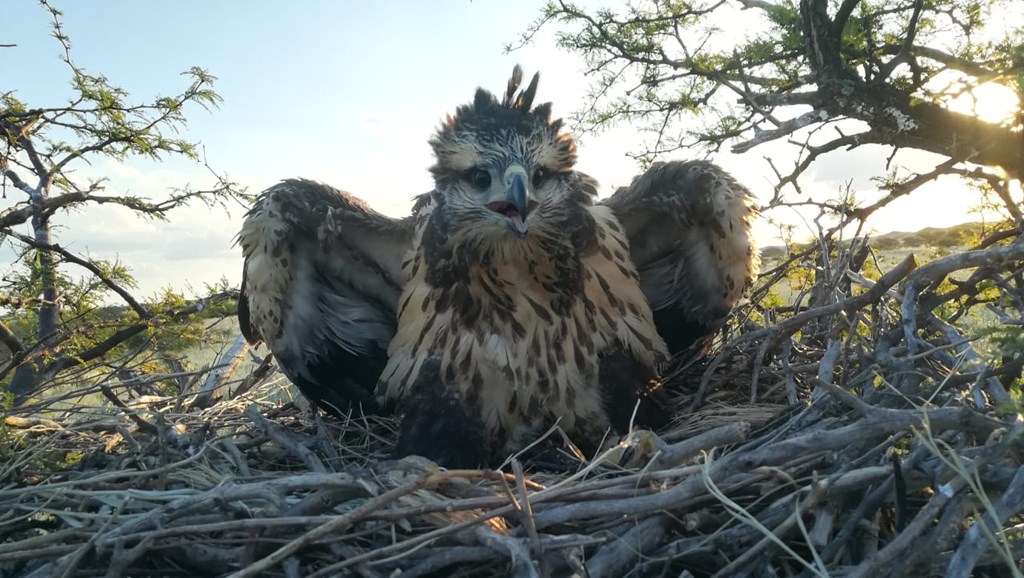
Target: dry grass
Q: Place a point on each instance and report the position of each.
(853, 434)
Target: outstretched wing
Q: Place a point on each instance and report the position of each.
(320, 287)
(688, 225)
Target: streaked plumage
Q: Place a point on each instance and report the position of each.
(523, 301)
(688, 225)
(320, 287)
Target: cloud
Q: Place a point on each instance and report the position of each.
(192, 248)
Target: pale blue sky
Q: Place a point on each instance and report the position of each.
(344, 92)
(319, 89)
(340, 91)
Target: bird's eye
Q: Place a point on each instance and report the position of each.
(538, 177)
(481, 178)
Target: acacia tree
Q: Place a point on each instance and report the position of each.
(818, 75)
(56, 319)
(806, 78)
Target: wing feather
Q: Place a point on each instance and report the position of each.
(688, 225)
(630, 361)
(321, 280)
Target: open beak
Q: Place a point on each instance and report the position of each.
(514, 203)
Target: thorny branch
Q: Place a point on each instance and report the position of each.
(40, 148)
(811, 79)
(87, 265)
(56, 364)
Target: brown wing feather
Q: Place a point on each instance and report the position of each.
(688, 225)
(320, 286)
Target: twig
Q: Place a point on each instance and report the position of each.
(341, 523)
(678, 453)
(791, 325)
(618, 556)
(904, 541)
(526, 514)
(143, 424)
(440, 558)
(980, 536)
(274, 432)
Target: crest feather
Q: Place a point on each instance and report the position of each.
(523, 100)
(479, 125)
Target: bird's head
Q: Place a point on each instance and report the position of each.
(498, 162)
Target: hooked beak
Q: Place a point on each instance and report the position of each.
(516, 197)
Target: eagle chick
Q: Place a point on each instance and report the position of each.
(522, 308)
(510, 300)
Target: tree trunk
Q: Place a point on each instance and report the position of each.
(48, 318)
(28, 377)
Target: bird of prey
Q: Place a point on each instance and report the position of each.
(511, 300)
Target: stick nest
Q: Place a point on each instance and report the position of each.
(860, 429)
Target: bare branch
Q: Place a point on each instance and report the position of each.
(843, 15)
(908, 42)
(978, 539)
(785, 129)
(17, 182)
(20, 135)
(10, 340)
(89, 266)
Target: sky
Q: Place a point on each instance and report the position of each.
(339, 91)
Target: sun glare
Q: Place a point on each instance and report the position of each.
(990, 102)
